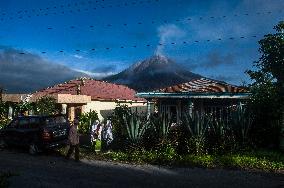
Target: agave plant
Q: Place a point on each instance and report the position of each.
(197, 124)
(241, 124)
(135, 128)
(161, 126)
(221, 137)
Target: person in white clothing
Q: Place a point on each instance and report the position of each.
(96, 132)
(107, 136)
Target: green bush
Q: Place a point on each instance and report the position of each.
(135, 129)
(118, 127)
(197, 125)
(3, 114)
(266, 161)
(86, 120)
(4, 121)
(43, 106)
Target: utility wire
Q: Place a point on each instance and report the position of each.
(160, 21)
(59, 9)
(138, 45)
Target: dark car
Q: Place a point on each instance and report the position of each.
(36, 132)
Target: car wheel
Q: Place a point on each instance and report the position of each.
(33, 149)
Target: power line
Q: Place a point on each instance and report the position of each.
(125, 25)
(161, 21)
(172, 43)
(21, 14)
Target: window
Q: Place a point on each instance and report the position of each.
(53, 121)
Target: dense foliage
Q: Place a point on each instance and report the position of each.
(45, 106)
(263, 160)
(119, 129)
(3, 114)
(198, 133)
(86, 120)
(268, 89)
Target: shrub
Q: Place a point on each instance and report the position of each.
(119, 128)
(262, 160)
(4, 121)
(197, 125)
(43, 106)
(86, 120)
(241, 122)
(157, 131)
(135, 129)
(3, 114)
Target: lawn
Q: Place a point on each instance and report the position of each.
(263, 160)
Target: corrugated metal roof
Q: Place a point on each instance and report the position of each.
(203, 85)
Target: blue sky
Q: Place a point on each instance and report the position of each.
(51, 26)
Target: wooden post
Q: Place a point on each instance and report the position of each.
(148, 109)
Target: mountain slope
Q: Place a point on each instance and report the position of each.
(153, 73)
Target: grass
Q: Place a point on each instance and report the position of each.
(269, 161)
(98, 145)
(263, 160)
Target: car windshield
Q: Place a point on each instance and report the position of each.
(51, 121)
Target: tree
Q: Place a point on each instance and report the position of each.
(268, 86)
(46, 106)
(86, 121)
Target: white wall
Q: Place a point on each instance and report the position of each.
(105, 108)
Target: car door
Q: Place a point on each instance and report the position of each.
(9, 132)
(22, 131)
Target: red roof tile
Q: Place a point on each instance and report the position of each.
(98, 90)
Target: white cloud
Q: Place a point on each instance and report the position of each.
(95, 74)
(168, 33)
(78, 56)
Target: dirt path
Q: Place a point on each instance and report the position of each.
(51, 171)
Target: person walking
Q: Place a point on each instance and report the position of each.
(73, 139)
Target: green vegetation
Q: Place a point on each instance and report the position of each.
(135, 128)
(3, 114)
(263, 160)
(4, 179)
(86, 120)
(267, 101)
(44, 106)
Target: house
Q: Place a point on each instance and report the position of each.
(203, 95)
(83, 95)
